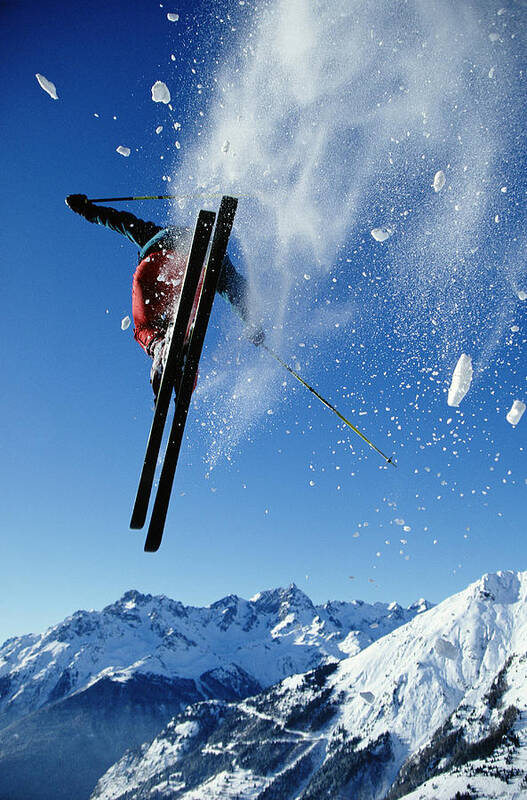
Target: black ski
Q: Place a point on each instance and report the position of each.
(174, 363)
(186, 385)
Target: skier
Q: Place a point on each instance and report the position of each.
(158, 278)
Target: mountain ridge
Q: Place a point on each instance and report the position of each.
(166, 637)
(156, 655)
(435, 707)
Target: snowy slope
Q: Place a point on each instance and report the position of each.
(100, 682)
(433, 708)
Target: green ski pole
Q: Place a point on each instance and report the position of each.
(327, 404)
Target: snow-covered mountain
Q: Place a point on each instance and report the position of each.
(74, 698)
(435, 710)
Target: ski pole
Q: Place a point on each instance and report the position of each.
(327, 404)
(138, 197)
(156, 197)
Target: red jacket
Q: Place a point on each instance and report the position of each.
(156, 288)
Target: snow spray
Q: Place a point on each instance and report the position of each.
(382, 178)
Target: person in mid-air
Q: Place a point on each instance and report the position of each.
(158, 278)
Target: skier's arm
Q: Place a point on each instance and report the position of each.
(136, 230)
(234, 287)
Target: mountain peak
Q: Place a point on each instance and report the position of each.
(136, 597)
(420, 605)
(132, 599)
(292, 594)
(281, 600)
(229, 601)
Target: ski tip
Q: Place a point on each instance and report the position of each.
(151, 547)
(138, 518)
(137, 522)
(392, 462)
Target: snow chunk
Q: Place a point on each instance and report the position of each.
(516, 412)
(123, 151)
(369, 697)
(439, 181)
(173, 17)
(160, 92)
(381, 234)
(125, 323)
(461, 380)
(48, 86)
(445, 648)
(225, 146)
(159, 129)
(522, 295)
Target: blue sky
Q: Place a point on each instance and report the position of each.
(270, 488)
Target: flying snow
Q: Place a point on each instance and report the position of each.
(381, 234)
(48, 86)
(439, 181)
(160, 92)
(173, 17)
(446, 283)
(461, 380)
(123, 151)
(125, 323)
(516, 412)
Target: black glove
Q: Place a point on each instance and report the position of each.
(255, 334)
(77, 202)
